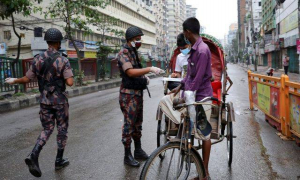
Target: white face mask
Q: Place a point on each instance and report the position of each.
(135, 42)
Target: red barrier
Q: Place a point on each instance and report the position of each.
(25, 66)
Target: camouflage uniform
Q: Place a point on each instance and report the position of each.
(52, 106)
(131, 101)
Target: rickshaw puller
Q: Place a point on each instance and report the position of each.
(199, 73)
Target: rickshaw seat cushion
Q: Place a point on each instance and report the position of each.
(216, 85)
(217, 90)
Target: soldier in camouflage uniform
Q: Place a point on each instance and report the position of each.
(53, 72)
(131, 97)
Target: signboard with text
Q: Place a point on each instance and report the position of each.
(295, 112)
(72, 54)
(89, 54)
(2, 48)
(266, 98)
(91, 45)
(298, 46)
(289, 23)
(263, 93)
(79, 44)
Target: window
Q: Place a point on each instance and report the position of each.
(78, 35)
(259, 3)
(7, 35)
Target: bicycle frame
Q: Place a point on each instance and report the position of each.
(187, 140)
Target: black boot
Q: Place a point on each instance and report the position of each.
(139, 153)
(60, 161)
(32, 161)
(129, 160)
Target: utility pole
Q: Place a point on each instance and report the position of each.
(252, 36)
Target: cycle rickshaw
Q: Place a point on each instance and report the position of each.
(176, 139)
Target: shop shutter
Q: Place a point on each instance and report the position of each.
(294, 62)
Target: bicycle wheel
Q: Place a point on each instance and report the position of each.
(174, 165)
(229, 142)
(162, 131)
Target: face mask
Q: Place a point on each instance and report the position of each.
(186, 40)
(136, 44)
(185, 51)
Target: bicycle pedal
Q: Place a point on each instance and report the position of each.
(234, 136)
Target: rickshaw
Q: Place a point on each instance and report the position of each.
(222, 116)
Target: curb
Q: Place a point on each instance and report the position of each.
(24, 102)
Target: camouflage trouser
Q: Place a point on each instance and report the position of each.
(132, 109)
(48, 115)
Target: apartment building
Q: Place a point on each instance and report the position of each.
(159, 8)
(176, 14)
(129, 12)
(233, 28)
(287, 33)
(190, 11)
(241, 21)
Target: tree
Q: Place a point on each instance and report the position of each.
(106, 25)
(75, 14)
(8, 9)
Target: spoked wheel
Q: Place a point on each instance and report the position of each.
(162, 133)
(229, 135)
(176, 164)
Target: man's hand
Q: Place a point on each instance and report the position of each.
(174, 75)
(175, 90)
(148, 80)
(10, 81)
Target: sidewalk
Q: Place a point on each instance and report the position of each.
(277, 73)
(30, 99)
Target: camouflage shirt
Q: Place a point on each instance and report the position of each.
(62, 68)
(126, 60)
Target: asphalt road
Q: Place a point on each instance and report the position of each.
(96, 152)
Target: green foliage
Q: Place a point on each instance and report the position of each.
(24, 7)
(1, 98)
(79, 75)
(18, 94)
(75, 10)
(102, 54)
(35, 91)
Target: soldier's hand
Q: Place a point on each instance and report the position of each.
(10, 80)
(156, 70)
(148, 80)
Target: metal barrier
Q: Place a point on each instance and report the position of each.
(26, 65)
(279, 99)
(88, 65)
(6, 65)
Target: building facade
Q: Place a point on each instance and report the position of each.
(287, 33)
(176, 14)
(159, 8)
(233, 28)
(190, 11)
(241, 20)
(253, 8)
(130, 13)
